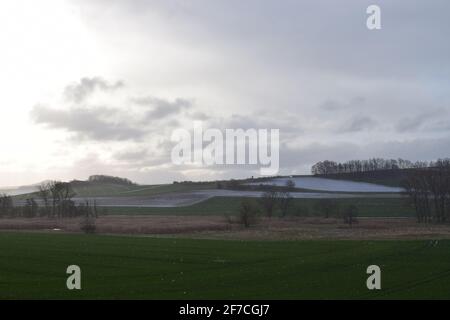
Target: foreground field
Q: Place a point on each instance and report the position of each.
(33, 266)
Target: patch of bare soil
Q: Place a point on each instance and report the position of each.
(213, 227)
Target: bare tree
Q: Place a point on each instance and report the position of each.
(350, 214)
(284, 202)
(60, 194)
(269, 201)
(44, 192)
(290, 185)
(6, 205)
(247, 213)
(31, 208)
(429, 191)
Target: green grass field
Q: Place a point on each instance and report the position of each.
(33, 266)
(367, 207)
(94, 189)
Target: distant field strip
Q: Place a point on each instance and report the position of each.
(323, 184)
(221, 206)
(33, 266)
(178, 199)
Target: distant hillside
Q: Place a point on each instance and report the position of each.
(98, 188)
(95, 186)
(14, 191)
(118, 187)
(391, 178)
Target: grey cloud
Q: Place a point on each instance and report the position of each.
(132, 155)
(410, 124)
(359, 123)
(334, 105)
(199, 116)
(286, 123)
(161, 108)
(78, 92)
(95, 124)
(417, 122)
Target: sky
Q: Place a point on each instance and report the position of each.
(98, 86)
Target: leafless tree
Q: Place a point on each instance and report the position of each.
(290, 185)
(269, 201)
(349, 214)
(429, 191)
(44, 192)
(357, 166)
(31, 208)
(59, 194)
(284, 202)
(247, 213)
(6, 205)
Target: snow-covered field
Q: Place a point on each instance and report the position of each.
(323, 184)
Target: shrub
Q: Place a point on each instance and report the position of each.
(88, 224)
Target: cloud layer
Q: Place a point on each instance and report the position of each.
(312, 69)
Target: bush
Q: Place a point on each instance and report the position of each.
(88, 225)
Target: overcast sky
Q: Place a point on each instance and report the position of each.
(97, 86)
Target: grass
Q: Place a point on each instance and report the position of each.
(32, 266)
(167, 188)
(367, 207)
(95, 189)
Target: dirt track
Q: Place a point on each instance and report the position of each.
(219, 228)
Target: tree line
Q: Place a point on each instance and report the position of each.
(429, 191)
(111, 179)
(53, 199)
(357, 166)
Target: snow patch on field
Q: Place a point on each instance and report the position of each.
(323, 184)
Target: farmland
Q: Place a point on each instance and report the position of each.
(184, 241)
(33, 266)
(221, 206)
